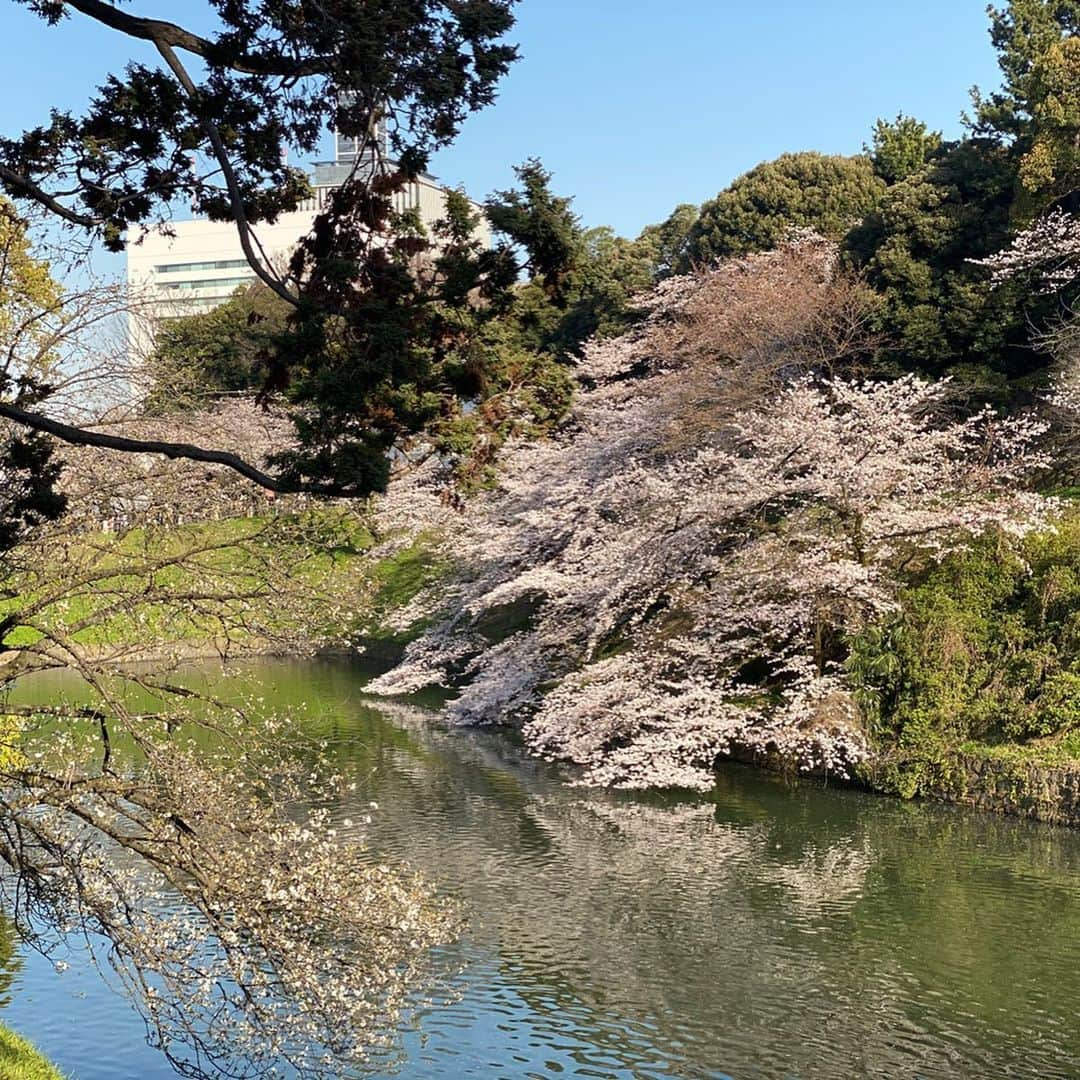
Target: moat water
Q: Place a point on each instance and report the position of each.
(762, 932)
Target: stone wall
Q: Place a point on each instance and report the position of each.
(1025, 789)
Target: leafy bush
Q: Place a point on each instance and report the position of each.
(985, 647)
(225, 350)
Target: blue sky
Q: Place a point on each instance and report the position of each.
(634, 105)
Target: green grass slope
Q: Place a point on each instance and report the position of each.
(20, 1061)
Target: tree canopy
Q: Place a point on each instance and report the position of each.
(270, 75)
(808, 190)
(916, 248)
(376, 302)
(666, 241)
(901, 147)
(1023, 32)
(930, 244)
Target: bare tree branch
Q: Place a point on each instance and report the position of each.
(42, 197)
(77, 436)
(256, 259)
(168, 34)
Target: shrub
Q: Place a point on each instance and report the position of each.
(985, 647)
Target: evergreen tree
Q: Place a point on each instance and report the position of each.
(940, 313)
(943, 313)
(901, 147)
(806, 190)
(1023, 32)
(206, 124)
(666, 243)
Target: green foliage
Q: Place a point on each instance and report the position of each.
(1023, 32)
(511, 390)
(1050, 169)
(378, 306)
(128, 159)
(421, 340)
(1036, 113)
(985, 649)
(401, 577)
(431, 346)
(469, 374)
(540, 223)
(915, 212)
(595, 296)
(901, 147)
(665, 244)
(27, 288)
(140, 581)
(29, 472)
(923, 762)
(28, 298)
(225, 350)
(940, 314)
(611, 271)
(584, 283)
(580, 281)
(809, 190)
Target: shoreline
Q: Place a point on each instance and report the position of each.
(991, 782)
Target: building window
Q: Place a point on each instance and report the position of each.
(223, 264)
(209, 283)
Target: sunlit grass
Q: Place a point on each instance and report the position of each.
(136, 594)
(323, 550)
(20, 1061)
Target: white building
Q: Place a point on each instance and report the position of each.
(202, 263)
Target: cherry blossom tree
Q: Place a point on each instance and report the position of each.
(181, 835)
(1046, 256)
(644, 602)
(246, 930)
(1047, 252)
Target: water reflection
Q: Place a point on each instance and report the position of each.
(10, 960)
(767, 932)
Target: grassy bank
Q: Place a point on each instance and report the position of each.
(20, 1061)
(973, 685)
(258, 583)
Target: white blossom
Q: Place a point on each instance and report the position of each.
(1048, 251)
(644, 602)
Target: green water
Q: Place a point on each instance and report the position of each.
(764, 932)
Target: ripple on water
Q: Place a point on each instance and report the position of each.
(766, 933)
